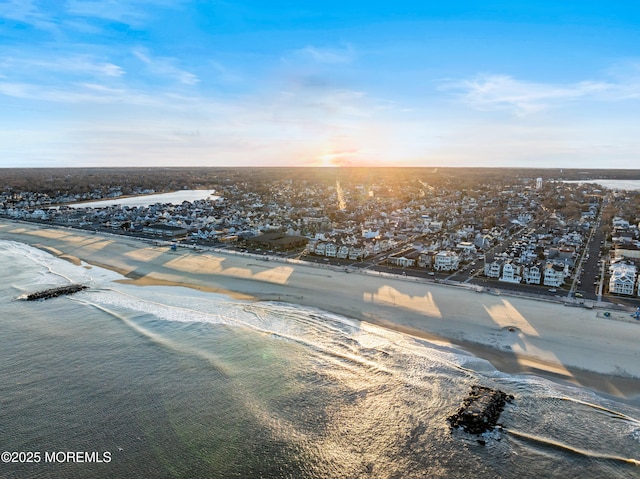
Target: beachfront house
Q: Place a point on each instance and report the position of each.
(623, 278)
(161, 229)
(446, 261)
(511, 273)
(371, 248)
(331, 250)
(492, 267)
(356, 253)
(401, 261)
(532, 274)
(426, 259)
(553, 274)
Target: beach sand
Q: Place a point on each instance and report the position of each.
(516, 334)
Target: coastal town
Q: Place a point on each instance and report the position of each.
(537, 235)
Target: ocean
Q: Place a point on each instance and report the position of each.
(120, 381)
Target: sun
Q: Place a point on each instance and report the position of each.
(334, 158)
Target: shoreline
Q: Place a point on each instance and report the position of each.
(516, 335)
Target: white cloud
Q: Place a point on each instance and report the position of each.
(165, 67)
(26, 11)
(118, 11)
(130, 12)
(326, 55)
(83, 64)
(494, 92)
(83, 93)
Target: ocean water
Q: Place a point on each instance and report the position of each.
(170, 382)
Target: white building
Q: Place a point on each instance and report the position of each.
(467, 249)
(623, 278)
(331, 250)
(553, 275)
(369, 234)
(446, 261)
(493, 268)
(343, 252)
(511, 273)
(532, 274)
(401, 261)
(356, 253)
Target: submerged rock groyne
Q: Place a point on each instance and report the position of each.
(480, 410)
(53, 292)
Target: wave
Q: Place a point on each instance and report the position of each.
(40, 266)
(562, 447)
(157, 338)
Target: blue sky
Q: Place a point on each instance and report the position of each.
(319, 83)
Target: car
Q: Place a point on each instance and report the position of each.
(579, 295)
(552, 290)
(431, 274)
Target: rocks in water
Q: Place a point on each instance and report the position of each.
(480, 410)
(53, 292)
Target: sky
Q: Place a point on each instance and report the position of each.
(319, 83)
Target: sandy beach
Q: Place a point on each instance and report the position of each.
(518, 335)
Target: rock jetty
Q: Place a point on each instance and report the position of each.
(480, 410)
(53, 292)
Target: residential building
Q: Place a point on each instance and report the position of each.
(630, 250)
(553, 274)
(466, 249)
(623, 278)
(493, 267)
(532, 274)
(427, 259)
(446, 261)
(160, 229)
(356, 253)
(511, 273)
(401, 261)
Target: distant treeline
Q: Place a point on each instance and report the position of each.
(55, 181)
